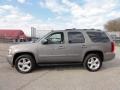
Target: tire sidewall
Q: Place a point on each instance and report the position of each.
(25, 56)
(86, 62)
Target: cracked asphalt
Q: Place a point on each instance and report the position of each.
(60, 78)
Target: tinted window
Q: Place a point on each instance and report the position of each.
(56, 38)
(98, 36)
(75, 37)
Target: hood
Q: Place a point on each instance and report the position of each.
(24, 45)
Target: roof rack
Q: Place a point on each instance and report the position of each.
(84, 29)
(71, 29)
(95, 29)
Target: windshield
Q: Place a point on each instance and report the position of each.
(39, 39)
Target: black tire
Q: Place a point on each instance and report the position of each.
(87, 62)
(31, 63)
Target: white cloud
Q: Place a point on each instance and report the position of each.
(92, 14)
(69, 14)
(12, 17)
(53, 5)
(22, 1)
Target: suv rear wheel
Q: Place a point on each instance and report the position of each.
(92, 62)
(24, 63)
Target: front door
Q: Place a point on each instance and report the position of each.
(54, 50)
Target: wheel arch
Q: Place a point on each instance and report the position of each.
(100, 53)
(23, 53)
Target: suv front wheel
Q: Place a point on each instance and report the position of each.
(92, 62)
(24, 63)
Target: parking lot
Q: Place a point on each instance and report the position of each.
(60, 78)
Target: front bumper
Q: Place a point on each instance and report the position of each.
(10, 59)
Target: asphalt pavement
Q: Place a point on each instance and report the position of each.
(60, 78)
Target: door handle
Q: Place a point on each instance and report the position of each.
(84, 46)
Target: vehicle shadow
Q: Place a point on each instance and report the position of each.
(110, 65)
(59, 67)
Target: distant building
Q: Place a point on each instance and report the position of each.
(115, 36)
(15, 35)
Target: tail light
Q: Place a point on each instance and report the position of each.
(112, 47)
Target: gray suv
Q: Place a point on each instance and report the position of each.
(87, 46)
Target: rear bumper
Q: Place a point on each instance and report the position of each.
(10, 59)
(109, 56)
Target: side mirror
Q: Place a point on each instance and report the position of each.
(44, 41)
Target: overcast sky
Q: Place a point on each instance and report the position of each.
(57, 14)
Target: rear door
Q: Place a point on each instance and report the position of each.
(76, 46)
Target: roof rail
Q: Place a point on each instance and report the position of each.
(95, 29)
(84, 29)
(71, 29)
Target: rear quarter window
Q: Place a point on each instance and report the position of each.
(98, 36)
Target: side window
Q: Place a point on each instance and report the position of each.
(56, 38)
(98, 36)
(75, 37)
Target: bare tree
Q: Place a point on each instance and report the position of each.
(113, 25)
